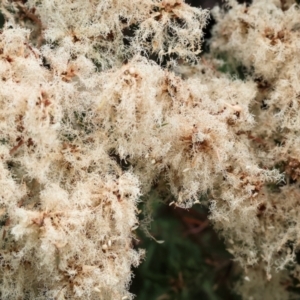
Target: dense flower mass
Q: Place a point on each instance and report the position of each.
(100, 99)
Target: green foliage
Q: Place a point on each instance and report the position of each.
(232, 67)
(192, 263)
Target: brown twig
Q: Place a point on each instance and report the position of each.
(15, 148)
(28, 14)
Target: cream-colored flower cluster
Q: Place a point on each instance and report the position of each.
(67, 209)
(265, 38)
(89, 122)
